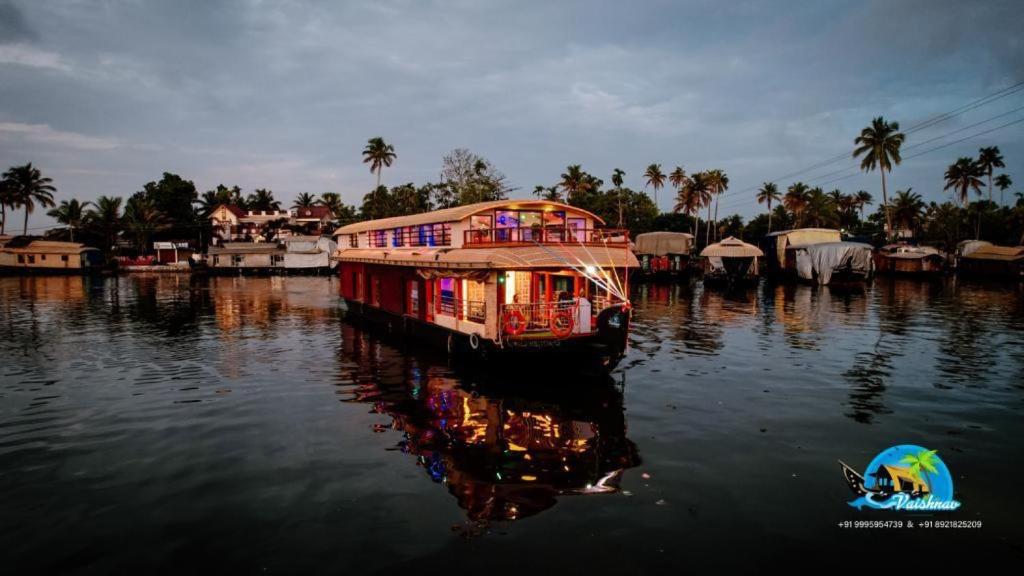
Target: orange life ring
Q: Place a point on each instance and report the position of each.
(515, 322)
(562, 323)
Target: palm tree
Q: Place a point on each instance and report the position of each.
(795, 201)
(617, 180)
(719, 183)
(6, 200)
(332, 200)
(688, 201)
(262, 199)
(142, 219)
(880, 144)
(575, 182)
(1003, 182)
(105, 219)
(989, 158)
(908, 209)
(767, 194)
(304, 200)
(28, 187)
(818, 206)
(702, 190)
(378, 154)
(70, 213)
(655, 178)
(924, 461)
(863, 199)
(962, 176)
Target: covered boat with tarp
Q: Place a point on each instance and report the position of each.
(980, 259)
(779, 247)
(834, 262)
(662, 255)
(904, 258)
(731, 262)
(493, 279)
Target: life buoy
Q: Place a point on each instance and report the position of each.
(562, 323)
(474, 341)
(515, 322)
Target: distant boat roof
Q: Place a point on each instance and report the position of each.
(455, 214)
(662, 243)
(36, 244)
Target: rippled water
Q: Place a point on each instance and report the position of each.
(173, 423)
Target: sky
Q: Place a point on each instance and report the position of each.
(107, 95)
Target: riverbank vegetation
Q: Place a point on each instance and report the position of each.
(172, 209)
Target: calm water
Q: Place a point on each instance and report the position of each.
(168, 423)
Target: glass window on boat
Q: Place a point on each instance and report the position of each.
(378, 239)
(505, 223)
(447, 296)
(578, 229)
(481, 226)
(412, 306)
(442, 234)
(530, 226)
(396, 238)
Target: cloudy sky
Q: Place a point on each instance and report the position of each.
(106, 95)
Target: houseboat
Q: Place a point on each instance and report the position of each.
(837, 263)
(494, 279)
(731, 262)
(237, 258)
(910, 260)
(662, 255)
(779, 247)
(309, 254)
(32, 255)
(981, 259)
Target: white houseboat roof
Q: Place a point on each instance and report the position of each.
(456, 214)
(521, 257)
(246, 248)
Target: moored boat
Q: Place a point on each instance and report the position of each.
(33, 255)
(662, 255)
(780, 248)
(907, 259)
(981, 259)
(501, 278)
(731, 262)
(834, 262)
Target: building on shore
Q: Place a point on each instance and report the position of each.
(31, 254)
(314, 220)
(173, 253)
(231, 223)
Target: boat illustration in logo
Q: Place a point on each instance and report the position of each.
(904, 477)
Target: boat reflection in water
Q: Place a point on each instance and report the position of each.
(504, 450)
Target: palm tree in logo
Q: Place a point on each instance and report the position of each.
(922, 462)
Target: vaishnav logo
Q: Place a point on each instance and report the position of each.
(904, 477)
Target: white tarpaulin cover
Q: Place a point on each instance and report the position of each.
(663, 243)
(824, 259)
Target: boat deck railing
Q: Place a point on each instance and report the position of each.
(551, 235)
(549, 319)
(472, 310)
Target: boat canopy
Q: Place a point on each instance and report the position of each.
(800, 237)
(825, 258)
(663, 243)
(908, 252)
(456, 214)
(511, 258)
(732, 248)
(993, 252)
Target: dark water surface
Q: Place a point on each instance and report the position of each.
(165, 423)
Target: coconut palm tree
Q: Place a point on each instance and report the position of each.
(655, 178)
(142, 219)
(989, 159)
(962, 176)
(304, 200)
(332, 200)
(1003, 182)
(617, 181)
(379, 155)
(908, 210)
(6, 201)
(105, 219)
(718, 181)
(70, 213)
(702, 190)
(575, 182)
(29, 187)
(688, 201)
(795, 201)
(880, 145)
(262, 199)
(766, 194)
(818, 207)
(863, 199)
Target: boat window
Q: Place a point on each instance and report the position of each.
(31, 258)
(578, 225)
(353, 241)
(396, 237)
(530, 225)
(447, 296)
(554, 218)
(64, 258)
(412, 305)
